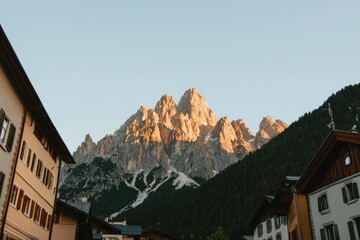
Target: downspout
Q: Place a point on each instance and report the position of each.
(55, 200)
(12, 177)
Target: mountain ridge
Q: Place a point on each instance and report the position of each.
(165, 147)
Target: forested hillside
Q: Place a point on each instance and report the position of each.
(229, 199)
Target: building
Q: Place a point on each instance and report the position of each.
(33, 151)
(292, 204)
(75, 221)
(158, 233)
(11, 121)
(330, 182)
(265, 224)
(129, 232)
(72, 221)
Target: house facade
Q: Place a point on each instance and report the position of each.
(331, 183)
(266, 225)
(11, 119)
(33, 151)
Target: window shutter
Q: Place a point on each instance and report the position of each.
(355, 190)
(48, 222)
(319, 204)
(43, 218)
(2, 177)
(20, 199)
(2, 116)
(337, 237)
(36, 213)
(344, 194)
(11, 137)
(24, 204)
(351, 230)
(22, 150)
(32, 209)
(322, 234)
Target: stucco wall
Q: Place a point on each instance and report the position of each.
(339, 212)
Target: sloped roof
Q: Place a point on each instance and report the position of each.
(283, 195)
(29, 97)
(129, 230)
(263, 209)
(160, 231)
(80, 208)
(322, 154)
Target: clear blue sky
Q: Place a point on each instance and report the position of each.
(94, 63)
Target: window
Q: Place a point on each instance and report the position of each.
(260, 230)
(39, 168)
(278, 236)
(7, 131)
(51, 182)
(2, 178)
(277, 222)
(33, 162)
(24, 150)
(323, 205)
(37, 213)
(347, 160)
(28, 158)
(26, 206)
(330, 232)
(13, 195)
(268, 226)
(283, 220)
(350, 192)
(354, 228)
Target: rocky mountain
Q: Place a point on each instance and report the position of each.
(168, 143)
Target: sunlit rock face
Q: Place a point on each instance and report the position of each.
(186, 136)
(168, 145)
(268, 129)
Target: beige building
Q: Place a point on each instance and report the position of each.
(31, 152)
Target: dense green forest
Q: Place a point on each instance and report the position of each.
(229, 199)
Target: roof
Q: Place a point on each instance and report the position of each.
(129, 230)
(263, 209)
(80, 208)
(110, 228)
(283, 195)
(29, 97)
(247, 237)
(160, 231)
(321, 155)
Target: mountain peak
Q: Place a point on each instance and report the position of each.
(166, 108)
(193, 104)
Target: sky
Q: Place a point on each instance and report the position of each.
(94, 63)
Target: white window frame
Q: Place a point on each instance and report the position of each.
(24, 151)
(348, 190)
(321, 201)
(33, 164)
(355, 228)
(38, 220)
(14, 199)
(27, 210)
(333, 228)
(268, 226)
(5, 132)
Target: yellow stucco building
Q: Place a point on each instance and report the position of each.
(31, 150)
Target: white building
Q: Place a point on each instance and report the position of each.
(266, 225)
(331, 183)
